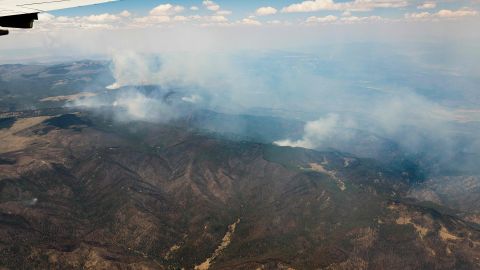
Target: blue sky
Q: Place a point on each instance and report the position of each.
(141, 7)
(173, 25)
(245, 8)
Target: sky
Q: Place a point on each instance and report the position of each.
(192, 25)
(289, 10)
(279, 12)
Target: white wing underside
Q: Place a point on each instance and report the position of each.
(17, 7)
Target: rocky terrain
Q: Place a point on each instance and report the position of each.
(79, 191)
(94, 188)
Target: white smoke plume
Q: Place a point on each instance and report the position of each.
(318, 132)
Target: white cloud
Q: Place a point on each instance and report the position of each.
(442, 14)
(103, 18)
(45, 17)
(357, 5)
(250, 21)
(180, 18)
(266, 11)
(217, 18)
(149, 20)
(343, 20)
(194, 8)
(445, 13)
(355, 19)
(427, 5)
(166, 9)
(168, 14)
(418, 16)
(210, 5)
(223, 12)
(326, 19)
(48, 22)
(125, 13)
(161, 14)
(309, 6)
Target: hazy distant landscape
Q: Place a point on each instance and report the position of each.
(265, 160)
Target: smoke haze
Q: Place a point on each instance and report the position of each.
(415, 83)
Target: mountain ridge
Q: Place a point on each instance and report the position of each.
(86, 193)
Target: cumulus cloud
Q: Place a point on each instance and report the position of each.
(210, 5)
(215, 19)
(442, 14)
(343, 20)
(357, 5)
(418, 15)
(466, 12)
(168, 15)
(125, 14)
(160, 15)
(103, 18)
(166, 9)
(45, 17)
(355, 19)
(326, 19)
(151, 20)
(263, 11)
(49, 22)
(427, 5)
(219, 13)
(180, 18)
(250, 21)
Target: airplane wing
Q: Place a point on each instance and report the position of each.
(22, 13)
